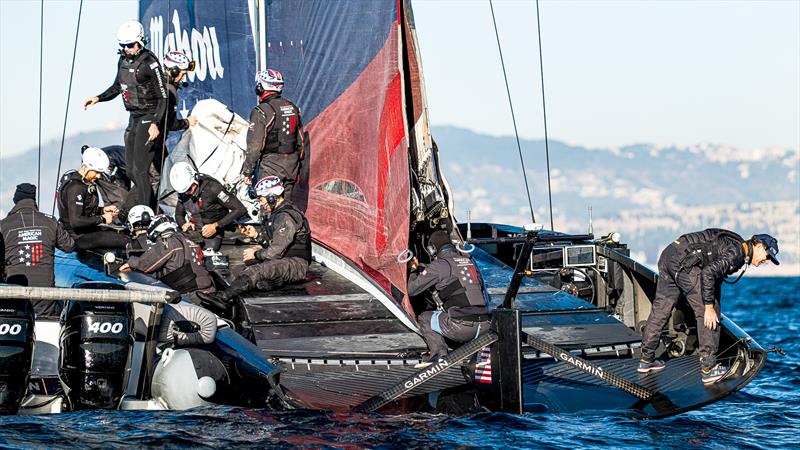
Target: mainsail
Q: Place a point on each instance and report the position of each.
(352, 68)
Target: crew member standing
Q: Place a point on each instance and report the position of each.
(29, 238)
(275, 134)
(172, 259)
(203, 204)
(463, 314)
(79, 208)
(144, 93)
(694, 266)
(286, 247)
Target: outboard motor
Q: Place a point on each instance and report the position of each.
(96, 346)
(16, 352)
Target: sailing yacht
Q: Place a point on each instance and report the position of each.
(567, 309)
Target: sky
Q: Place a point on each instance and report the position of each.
(615, 72)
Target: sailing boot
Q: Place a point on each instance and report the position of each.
(221, 300)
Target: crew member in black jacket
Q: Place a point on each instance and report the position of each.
(462, 314)
(275, 134)
(694, 266)
(172, 259)
(28, 239)
(143, 87)
(285, 252)
(79, 208)
(203, 204)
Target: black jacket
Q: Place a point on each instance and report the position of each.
(146, 94)
(285, 233)
(29, 239)
(210, 203)
(275, 127)
(456, 280)
(173, 122)
(78, 205)
(176, 261)
(725, 255)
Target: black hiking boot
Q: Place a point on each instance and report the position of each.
(221, 300)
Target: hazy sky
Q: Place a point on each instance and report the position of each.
(616, 73)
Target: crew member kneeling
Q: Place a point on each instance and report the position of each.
(286, 246)
(463, 315)
(694, 266)
(173, 259)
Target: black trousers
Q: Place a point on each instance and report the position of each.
(672, 284)
(139, 155)
(275, 273)
(284, 166)
(437, 325)
(102, 240)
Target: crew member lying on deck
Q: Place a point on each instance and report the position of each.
(694, 266)
(285, 239)
(173, 259)
(462, 315)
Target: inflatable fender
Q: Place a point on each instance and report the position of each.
(185, 324)
(175, 382)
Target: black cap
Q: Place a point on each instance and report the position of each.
(439, 239)
(25, 190)
(771, 245)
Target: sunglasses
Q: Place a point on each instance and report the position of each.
(131, 45)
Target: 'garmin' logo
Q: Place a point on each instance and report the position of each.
(420, 378)
(594, 370)
(203, 47)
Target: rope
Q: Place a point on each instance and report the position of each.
(69, 94)
(513, 117)
(544, 115)
(164, 129)
(39, 158)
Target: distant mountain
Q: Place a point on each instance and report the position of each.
(22, 167)
(648, 193)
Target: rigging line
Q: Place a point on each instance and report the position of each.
(69, 94)
(544, 115)
(163, 130)
(513, 117)
(39, 158)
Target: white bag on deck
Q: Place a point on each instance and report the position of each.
(215, 146)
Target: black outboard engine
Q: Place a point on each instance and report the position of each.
(96, 347)
(16, 352)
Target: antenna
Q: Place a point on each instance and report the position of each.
(591, 226)
(469, 224)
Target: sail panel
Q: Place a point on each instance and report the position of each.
(218, 36)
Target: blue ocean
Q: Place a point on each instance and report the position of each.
(766, 414)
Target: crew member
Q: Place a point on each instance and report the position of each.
(173, 259)
(694, 266)
(29, 238)
(285, 252)
(79, 205)
(275, 135)
(144, 93)
(203, 204)
(176, 65)
(139, 219)
(462, 314)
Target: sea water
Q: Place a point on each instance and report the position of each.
(765, 414)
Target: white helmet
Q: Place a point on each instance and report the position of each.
(270, 185)
(94, 158)
(269, 80)
(178, 60)
(130, 32)
(139, 217)
(161, 223)
(182, 176)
